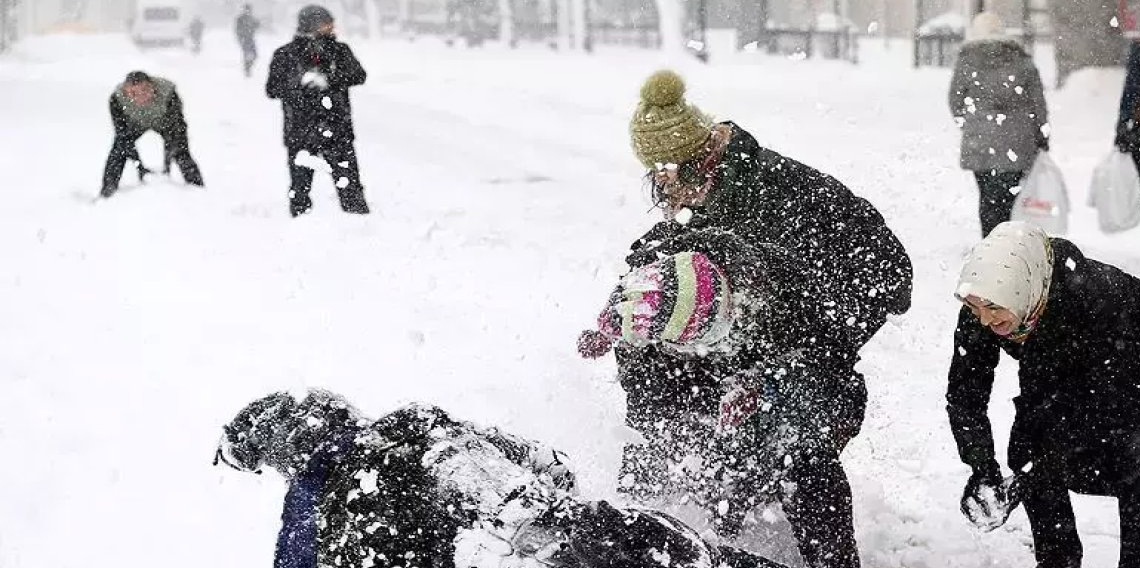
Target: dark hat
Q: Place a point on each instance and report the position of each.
(312, 17)
(136, 77)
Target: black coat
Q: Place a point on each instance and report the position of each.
(786, 337)
(1127, 125)
(840, 238)
(308, 115)
(418, 488)
(1078, 414)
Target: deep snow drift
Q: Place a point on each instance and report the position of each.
(505, 194)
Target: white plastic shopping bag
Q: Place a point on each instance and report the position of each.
(1044, 200)
(1115, 192)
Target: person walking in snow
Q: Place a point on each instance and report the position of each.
(707, 175)
(998, 101)
(420, 488)
(245, 28)
(311, 76)
(1072, 325)
(140, 104)
(1128, 121)
(734, 341)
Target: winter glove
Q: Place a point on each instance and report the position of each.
(988, 499)
(736, 406)
(314, 79)
(1043, 144)
(593, 344)
(548, 461)
(143, 172)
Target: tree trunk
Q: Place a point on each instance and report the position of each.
(671, 25)
(506, 22)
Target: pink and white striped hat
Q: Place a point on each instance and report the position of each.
(683, 299)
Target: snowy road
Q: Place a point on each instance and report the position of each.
(505, 194)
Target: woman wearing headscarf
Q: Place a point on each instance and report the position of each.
(1073, 325)
(998, 101)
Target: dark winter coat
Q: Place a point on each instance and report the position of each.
(1078, 414)
(417, 488)
(840, 238)
(786, 339)
(314, 117)
(1128, 120)
(997, 97)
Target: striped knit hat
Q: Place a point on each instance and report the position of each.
(683, 299)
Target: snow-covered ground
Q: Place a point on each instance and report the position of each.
(505, 194)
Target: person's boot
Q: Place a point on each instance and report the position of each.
(298, 208)
(352, 200)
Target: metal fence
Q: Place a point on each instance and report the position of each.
(839, 44)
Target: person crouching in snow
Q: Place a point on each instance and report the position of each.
(418, 488)
(724, 352)
(1073, 325)
(143, 103)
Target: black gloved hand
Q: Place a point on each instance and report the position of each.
(143, 172)
(986, 500)
(1043, 144)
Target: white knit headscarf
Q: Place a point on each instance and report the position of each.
(1012, 268)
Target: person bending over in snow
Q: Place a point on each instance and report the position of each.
(140, 104)
(311, 76)
(715, 175)
(1073, 325)
(418, 488)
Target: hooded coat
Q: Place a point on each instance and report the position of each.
(1078, 413)
(420, 489)
(997, 98)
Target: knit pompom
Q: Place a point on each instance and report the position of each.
(663, 88)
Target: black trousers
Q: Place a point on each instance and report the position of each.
(341, 157)
(995, 202)
(1055, 539)
(176, 145)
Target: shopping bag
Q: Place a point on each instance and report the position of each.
(1115, 192)
(1043, 200)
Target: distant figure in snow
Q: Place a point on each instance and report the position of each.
(420, 488)
(998, 101)
(1073, 325)
(245, 28)
(142, 103)
(311, 76)
(708, 176)
(1128, 121)
(196, 29)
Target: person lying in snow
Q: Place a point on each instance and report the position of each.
(724, 351)
(417, 488)
(1073, 325)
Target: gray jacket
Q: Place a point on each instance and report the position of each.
(998, 100)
